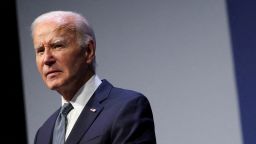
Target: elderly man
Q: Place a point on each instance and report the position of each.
(93, 111)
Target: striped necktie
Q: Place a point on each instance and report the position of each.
(60, 124)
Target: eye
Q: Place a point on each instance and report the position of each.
(39, 50)
(58, 45)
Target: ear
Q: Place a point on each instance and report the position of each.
(90, 52)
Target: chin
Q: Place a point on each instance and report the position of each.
(53, 85)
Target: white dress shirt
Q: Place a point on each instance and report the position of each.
(80, 100)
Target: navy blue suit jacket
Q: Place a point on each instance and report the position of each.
(121, 117)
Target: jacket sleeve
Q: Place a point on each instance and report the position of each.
(35, 139)
(134, 123)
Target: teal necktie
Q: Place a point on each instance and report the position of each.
(60, 124)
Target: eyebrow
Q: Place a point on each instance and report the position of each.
(52, 42)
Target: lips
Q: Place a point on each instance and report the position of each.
(52, 72)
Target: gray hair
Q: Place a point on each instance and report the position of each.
(82, 26)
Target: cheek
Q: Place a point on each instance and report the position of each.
(39, 65)
(73, 65)
(69, 65)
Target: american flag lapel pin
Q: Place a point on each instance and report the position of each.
(93, 109)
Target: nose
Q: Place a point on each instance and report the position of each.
(49, 59)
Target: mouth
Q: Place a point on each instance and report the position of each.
(52, 73)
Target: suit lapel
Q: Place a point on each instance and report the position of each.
(83, 123)
(47, 129)
(90, 112)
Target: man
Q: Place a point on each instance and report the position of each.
(99, 112)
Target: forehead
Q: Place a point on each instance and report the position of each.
(50, 30)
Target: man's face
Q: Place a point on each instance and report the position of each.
(60, 60)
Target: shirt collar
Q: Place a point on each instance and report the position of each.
(85, 92)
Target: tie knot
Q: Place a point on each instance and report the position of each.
(66, 108)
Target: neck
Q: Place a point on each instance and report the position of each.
(69, 93)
